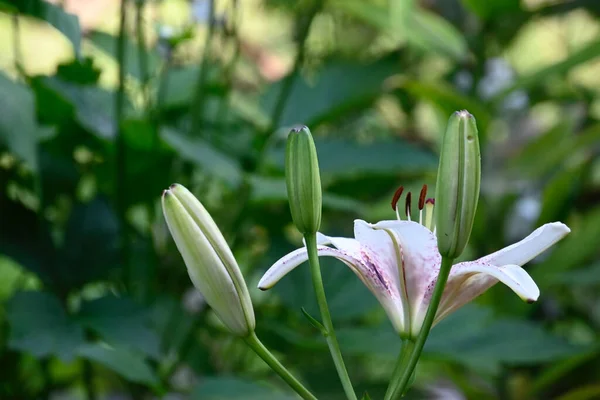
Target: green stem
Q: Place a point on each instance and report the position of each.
(408, 346)
(88, 380)
(197, 108)
(255, 344)
(142, 56)
(120, 178)
(329, 333)
(425, 328)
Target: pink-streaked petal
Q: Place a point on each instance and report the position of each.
(420, 256)
(468, 280)
(530, 247)
(358, 260)
(380, 248)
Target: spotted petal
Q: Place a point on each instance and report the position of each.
(470, 279)
(360, 259)
(420, 257)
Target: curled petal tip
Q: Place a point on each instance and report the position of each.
(166, 192)
(530, 301)
(173, 186)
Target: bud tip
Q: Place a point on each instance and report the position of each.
(464, 114)
(299, 128)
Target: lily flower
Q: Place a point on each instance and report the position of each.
(398, 260)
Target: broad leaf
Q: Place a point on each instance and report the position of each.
(67, 24)
(343, 159)
(19, 131)
(336, 89)
(201, 153)
(471, 337)
(40, 326)
(224, 388)
(108, 44)
(127, 364)
(90, 248)
(121, 323)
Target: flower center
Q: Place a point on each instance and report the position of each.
(427, 204)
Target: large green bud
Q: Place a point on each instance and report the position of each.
(458, 180)
(303, 180)
(209, 260)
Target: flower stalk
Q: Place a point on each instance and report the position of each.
(329, 332)
(303, 182)
(256, 345)
(438, 291)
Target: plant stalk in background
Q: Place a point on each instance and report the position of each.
(303, 183)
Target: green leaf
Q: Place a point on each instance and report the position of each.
(25, 240)
(121, 323)
(578, 57)
(448, 100)
(201, 153)
(90, 250)
(427, 31)
(559, 194)
(578, 278)
(148, 160)
(225, 388)
(108, 44)
(368, 12)
(576, 249)
(173, 324)
(313, 321)
(94, 107)
(125, 363)
(267, 190)
(18, 128)
(180, 84)
(491, 9)
(67, 24)
(472, 337)
(40, 326)
(343, 159)
(338, 88)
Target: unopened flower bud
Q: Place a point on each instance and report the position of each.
(209, 261)
(303, 180)
(457, 189)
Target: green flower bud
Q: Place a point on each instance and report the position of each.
(457, 189)
(303, 180)
(209, 261)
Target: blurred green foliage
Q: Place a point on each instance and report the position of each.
(96, 121)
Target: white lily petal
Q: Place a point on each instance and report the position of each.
(530, 247)
(420, 257)
(468, 280)
(359, 260)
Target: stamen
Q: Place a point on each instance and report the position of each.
(408, 206)
(422, 197)
(422, 202)
(395, 199)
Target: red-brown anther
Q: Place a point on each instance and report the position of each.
(408, 204)
(396, 197)
(422, 197)
(430, 201)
